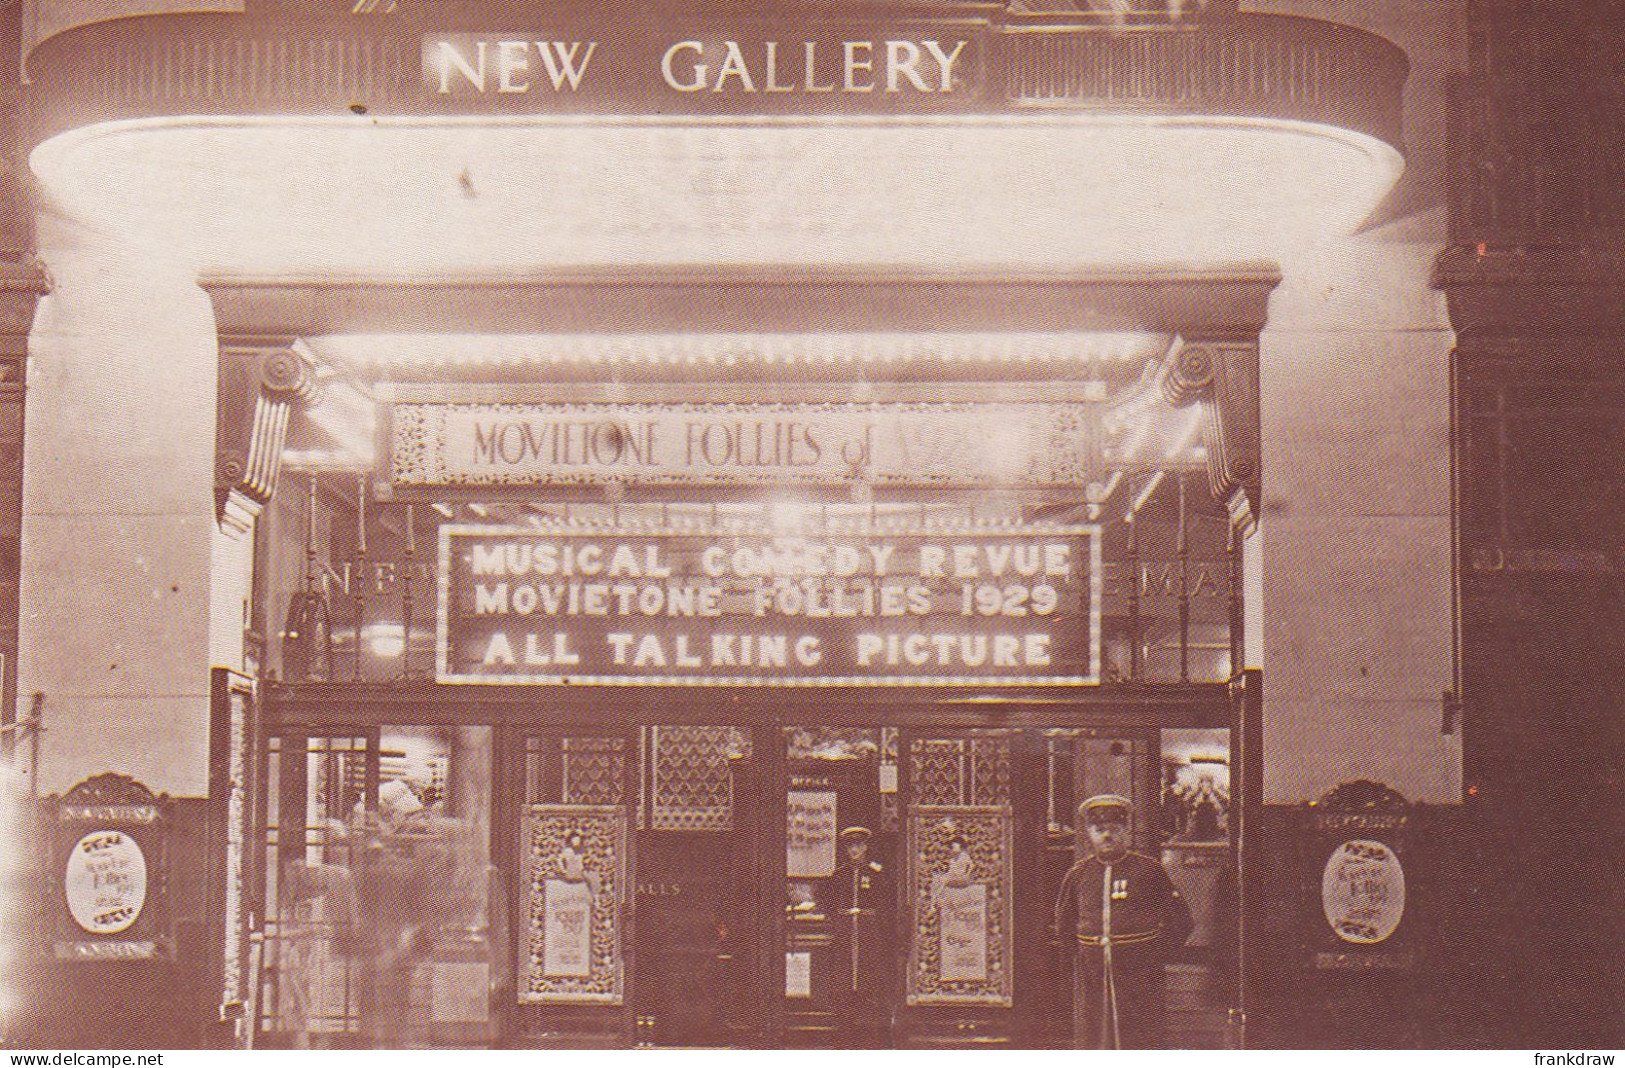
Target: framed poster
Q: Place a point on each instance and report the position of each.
(962, 931)
(574, 863)
(111, 870)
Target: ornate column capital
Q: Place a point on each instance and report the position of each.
(261, 380)
(1223, 377)
(1190, 375)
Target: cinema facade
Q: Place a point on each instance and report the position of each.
(502, 486)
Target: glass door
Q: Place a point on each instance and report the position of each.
(840, 886)
(383, 919)
(1178, 780)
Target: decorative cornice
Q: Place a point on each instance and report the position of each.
(1229, 303)
(1533, 291)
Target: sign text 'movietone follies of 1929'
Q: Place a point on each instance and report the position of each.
(439, 445)
(522, 606)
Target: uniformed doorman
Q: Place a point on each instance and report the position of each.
(859, 903)
(1126, 917)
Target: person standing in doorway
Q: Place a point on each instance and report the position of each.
(858, 902)
(1126, 917)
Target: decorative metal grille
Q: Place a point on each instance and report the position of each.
(594, 771)
(692, 787)
(936, 771)
(990, 771)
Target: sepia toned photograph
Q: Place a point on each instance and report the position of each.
(918, 525)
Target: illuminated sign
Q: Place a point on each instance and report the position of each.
(432, 444)
(548, 68)
(625, 607)
(106, 882)
(1363, 891)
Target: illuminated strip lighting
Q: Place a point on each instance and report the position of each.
(743, 524)
(820, 519)
(749, 349)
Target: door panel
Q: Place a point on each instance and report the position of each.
(697, 889)
(840, 946)
(384, 922)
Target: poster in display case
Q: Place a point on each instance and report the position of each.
(574, 887)
(960, 877)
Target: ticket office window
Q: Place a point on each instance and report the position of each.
(384, 920)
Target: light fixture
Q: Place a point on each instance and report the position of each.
(386, 641)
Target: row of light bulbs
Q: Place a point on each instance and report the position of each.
(773, 349)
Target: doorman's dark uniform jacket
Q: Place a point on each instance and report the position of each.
(1125, 918)
(858, 899)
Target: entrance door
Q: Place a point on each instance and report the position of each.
(699, 915)
(638, 912)
(1079, 762)
(840, 891)
(381, 911)
(1179, 782)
